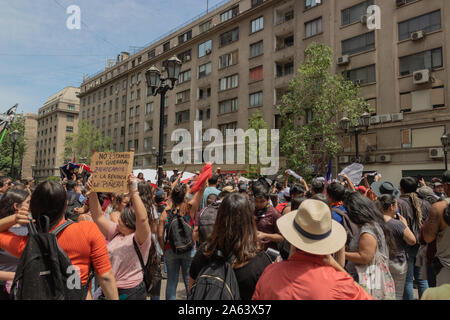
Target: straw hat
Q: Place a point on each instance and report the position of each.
(311, 229)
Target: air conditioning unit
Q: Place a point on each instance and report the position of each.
(375, 120)
(397, 117)
(400, 3)
(364, 19)
(436, 153)
(370, 159)
(344, 60)
(385, 118)
(344, 159)
(415, 36)
(208, 51)
(384, 158)
(421, 76)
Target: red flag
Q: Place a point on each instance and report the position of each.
(201, 179)
(74, 160)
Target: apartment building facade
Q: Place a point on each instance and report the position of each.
(240, 58)
(56, 118)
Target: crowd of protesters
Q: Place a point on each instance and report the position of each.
(286, 240)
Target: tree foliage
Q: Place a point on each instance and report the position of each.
(84, 142)
(6, 149)
(257, 123)
(311, 110)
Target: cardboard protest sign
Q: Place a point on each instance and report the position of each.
(110, 171)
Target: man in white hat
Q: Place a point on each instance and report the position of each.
(310, 273)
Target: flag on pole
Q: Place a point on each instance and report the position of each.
(329, 170)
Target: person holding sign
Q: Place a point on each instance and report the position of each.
(133, 226)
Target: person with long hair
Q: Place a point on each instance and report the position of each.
(119, 202)
(82, 242)
(178, 204)
(403, 236)
(132, 227)
(374, 234)
(234, 234)
(10, 203)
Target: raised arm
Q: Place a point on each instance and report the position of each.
(196, 200)
(142, 225)
(286, 180)
(96, 211)
(350, 183)
(305, 184)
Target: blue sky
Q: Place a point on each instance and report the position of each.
(39, 55)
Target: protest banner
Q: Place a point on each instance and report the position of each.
(110, 171)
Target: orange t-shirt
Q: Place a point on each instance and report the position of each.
(83, 243)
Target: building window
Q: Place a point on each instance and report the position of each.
(256, 74)
(116, 117)
(151, 54)
(363, 75)
(185, 37)
(69, 129)
(257, 24)
(131, 112)
(185, 56)
(124, 100)
(149, 108)
(204, 93)
(136, 127)
(229, 126)
(138, 94)
(182, 116)
(131, 95)
(256, 2)
(354, 14)
(166, 46)
(130, 128)
(284, 69)
(184, 76)
(138, 111)
(284, 42)
(431, 59)
(229, 37)
(69, 119)
(184, 96)
(256, 99)
(428, 23)
(122, 116)
(228, 59)
(362, 43)
(227, 15)
(314, 27)
(256, 49)
(124, 84)
(204, 70)
(71, 107)
(228, 106)
(229, 82)
(205, 26)
(204, 48)
(148, 144)
(311, 3)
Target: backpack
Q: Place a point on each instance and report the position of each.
(72, 203)
(44, 271)
(216, 281)
(350, 227)
(207, 221)
(145, 267)
(179, 233)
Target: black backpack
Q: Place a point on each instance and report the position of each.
(44, 271)
(72, 203)
(179, 233)
(350, 227)
(216, 281)
(207, 221)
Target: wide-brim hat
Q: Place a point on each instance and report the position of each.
(312, 229)
(384, 187)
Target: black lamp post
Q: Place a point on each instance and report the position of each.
(160, 85)
(444, 140)
(14, 137)
(364, 121)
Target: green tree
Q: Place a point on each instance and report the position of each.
(310, 110)
(6, 149)
(257, 123)
(82, 143)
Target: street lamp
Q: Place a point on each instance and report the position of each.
(14, 137)
(160, 85)
(364, 121)
(444, 140)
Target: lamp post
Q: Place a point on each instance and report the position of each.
(364, 121)
(160, 85)
(444, 140)
(14, 137)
